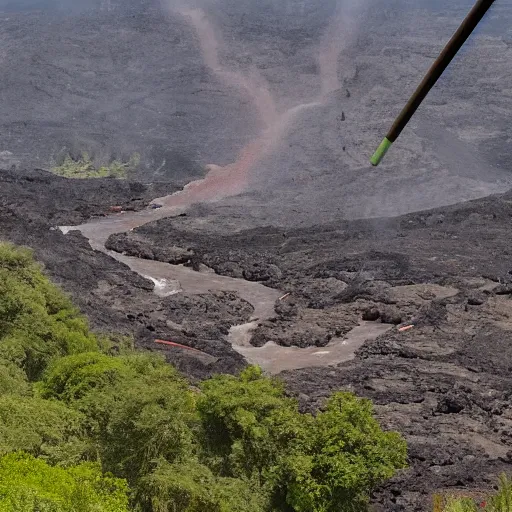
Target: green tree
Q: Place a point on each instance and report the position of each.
(137, 407)
(72, 378)
(13, 379)
(28, 484)
(326, 463)
(347, 455)
(248, 424)
(43, 428)
(192, 487)
(37, 321)
(240, 444)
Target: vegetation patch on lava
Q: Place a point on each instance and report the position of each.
(82, 167)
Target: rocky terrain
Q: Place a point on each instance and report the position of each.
(335, 238)
(116, 300)
(444, 384)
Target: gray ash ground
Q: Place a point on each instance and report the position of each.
(113, 78)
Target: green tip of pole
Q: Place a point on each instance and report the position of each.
(381, 151)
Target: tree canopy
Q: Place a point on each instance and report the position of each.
(37, 321)
(30, 484)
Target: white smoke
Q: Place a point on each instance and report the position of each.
(342, 32)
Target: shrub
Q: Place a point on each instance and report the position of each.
(330, 462)
(499, 501)
(28, 484)
(37, 321)
(192, 487)
(13, 379)
(248, 424)
(460, 505)
(73, 377)
(137, 407)
(83, 167)
(346, 455)
(42, 428)
(154, 416)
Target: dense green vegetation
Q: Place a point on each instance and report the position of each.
(30, 484)
(83, 167)
(83, 430)
(37, 322)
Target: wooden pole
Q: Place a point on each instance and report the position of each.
(454, 45)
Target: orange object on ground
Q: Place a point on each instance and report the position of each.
(172, 344)
(406, 328)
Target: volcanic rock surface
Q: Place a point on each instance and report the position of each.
(115, 77)
(445, 383)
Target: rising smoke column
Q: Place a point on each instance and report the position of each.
(340, 34)
(221, 182)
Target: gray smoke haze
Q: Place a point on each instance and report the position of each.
(290, 95)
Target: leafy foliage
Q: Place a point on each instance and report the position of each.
(37, 321)
(248, 423)
(240, 433)
(72, 378)
(330, 462)
(43, 428)
(460, 505)
(138, 408)
(13, 379)
(192, 487)
(154, 417)
(83, 167)
(239, 445)
(345, 457)
(28, 484)
(499, 501)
